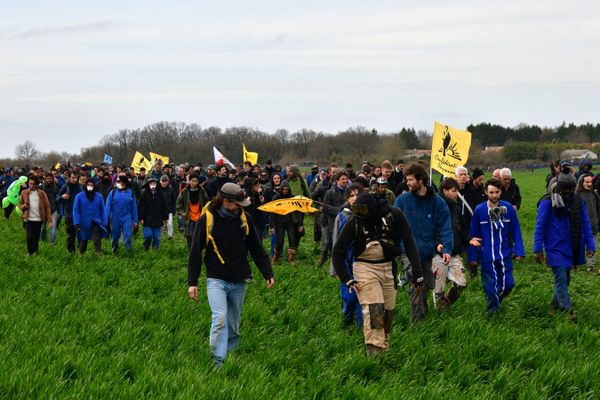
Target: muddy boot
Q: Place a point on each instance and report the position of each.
(439, 301)
(373, 351)
(275, 257)
(322, 258)
(388, 316)
(453, 293)
(291, 256)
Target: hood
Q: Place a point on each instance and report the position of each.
(585, 163)
(579, 188)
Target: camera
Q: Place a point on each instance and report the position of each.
(496, 213)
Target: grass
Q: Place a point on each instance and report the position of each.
(123, 327)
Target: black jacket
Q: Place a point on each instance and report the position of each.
(153, 208)
(233, 245)
(512, 194)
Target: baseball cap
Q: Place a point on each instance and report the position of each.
(235, 193)
(382, 181)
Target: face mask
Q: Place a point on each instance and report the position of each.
(119, 185)
(90, 188)
(152, 186)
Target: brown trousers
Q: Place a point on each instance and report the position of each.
(377, 295)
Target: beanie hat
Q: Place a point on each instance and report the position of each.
(566, 182)
(477, 172)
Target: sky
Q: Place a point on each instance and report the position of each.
(72, 72)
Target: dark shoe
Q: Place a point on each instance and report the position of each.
(275, 257)
(373, 351)
(571, 316)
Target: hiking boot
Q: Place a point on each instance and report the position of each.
(291, 259)
(373, 351)
(322, 259)
(275, 257)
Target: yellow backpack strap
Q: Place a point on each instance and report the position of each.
(245, 223)
(209, 236)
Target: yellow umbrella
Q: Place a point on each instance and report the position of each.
(286, 206)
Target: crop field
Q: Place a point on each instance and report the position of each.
(123, 327)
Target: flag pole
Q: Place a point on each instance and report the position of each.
(430, 174)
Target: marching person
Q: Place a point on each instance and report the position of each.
(563, 231)
(374, 232)
(291, 224)
(429, 219)
(585, 189)
(496, 231)
(66, 200)
(153, 213)
(189, 206)
(36, 212)
(223, 237)
(122, 214)
(89, 218)
(452, 271)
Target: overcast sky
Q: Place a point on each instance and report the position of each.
(74, 71)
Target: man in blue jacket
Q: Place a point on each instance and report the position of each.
(121, 211)
(429, 219)
(496, 231)
(562, 229)
(89, 218)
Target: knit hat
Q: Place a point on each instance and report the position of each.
(477, 172)
(295, 169)
(566, 182)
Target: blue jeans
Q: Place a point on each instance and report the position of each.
(562, 278)
(351, 308)
(226, 300)
(151, 235)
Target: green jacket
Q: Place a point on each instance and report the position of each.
(183, 202)
(299, 187)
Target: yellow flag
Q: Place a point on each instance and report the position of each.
(249, 155)
(449, 148)
(154, 157)
(139, 161)
(286, 206)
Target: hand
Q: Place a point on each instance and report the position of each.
(77, 227)
(539, 257)
(193, 293)
(439, 248)
(300, 229)
(355, 288)
(591, 253)
(272, 230)
(183, 215)
(270, 282)
(447, 258)
(65, 196)
(475, 242)
(135, 226)
(515, 207)
(141, 223)
(519, 258)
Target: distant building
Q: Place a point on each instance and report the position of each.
(417, 153)
(578, 155)
(493, 149)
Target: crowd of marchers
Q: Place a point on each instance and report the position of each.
(378, 227)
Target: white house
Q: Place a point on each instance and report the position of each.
(578, 154)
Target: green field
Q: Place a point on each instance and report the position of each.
(123, 327)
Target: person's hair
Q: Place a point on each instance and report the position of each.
(164, 178)
(386, 165)
(34, 178)
(401, 161)
(459, 169)
(493, 182)
(142, 169)
(352, 188)
(340, 174)
(49, 174)
(448, 184)
(348, 165)
(417, 171)
(248, 163)
(505, 172)
(83, 173)
(217, 201)
(73, 173)
(194, 176)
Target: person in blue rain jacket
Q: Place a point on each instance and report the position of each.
(89, 218)
(122, 214)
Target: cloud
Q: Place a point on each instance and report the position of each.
(66, 29)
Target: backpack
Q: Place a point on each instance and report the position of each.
(210, 221)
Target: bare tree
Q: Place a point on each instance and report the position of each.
(26, 152)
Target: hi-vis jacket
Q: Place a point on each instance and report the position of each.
(500, 238)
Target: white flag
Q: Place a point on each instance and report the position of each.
(221, 157)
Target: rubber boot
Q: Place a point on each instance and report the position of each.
(453, 293)
(291, 256)
(387, 322)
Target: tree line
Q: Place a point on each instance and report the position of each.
(192, 143)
